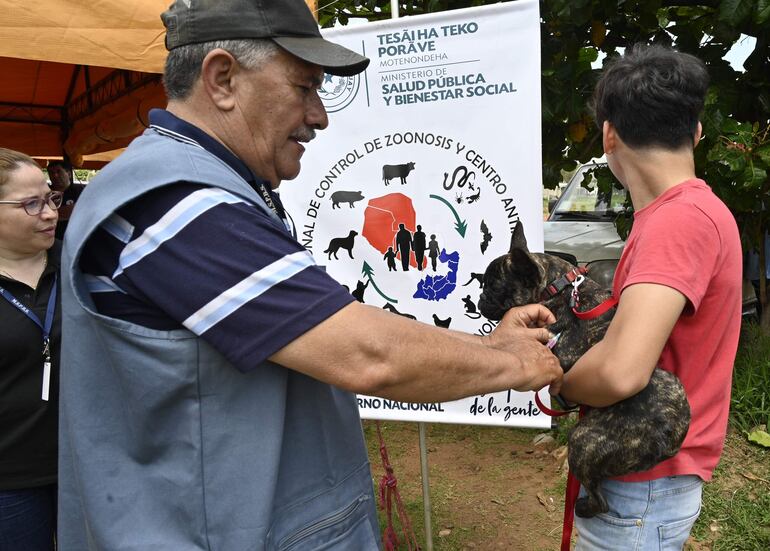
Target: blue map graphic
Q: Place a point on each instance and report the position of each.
(440, 286)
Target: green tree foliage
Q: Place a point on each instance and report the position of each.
(734, 154)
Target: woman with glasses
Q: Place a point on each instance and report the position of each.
(30, 334)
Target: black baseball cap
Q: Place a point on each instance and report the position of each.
(288, 23)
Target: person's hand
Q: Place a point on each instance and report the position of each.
(533, 318)
(523, 333)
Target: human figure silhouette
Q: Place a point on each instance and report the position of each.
(404, 244)
(390, 256)
(433, 250)
(418, 244)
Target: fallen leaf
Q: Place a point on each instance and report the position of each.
(714, 526)
(546, 502)
(760, 437)
(498, 501)
(444, 533)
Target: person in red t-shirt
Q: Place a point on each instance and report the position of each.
(679, 285)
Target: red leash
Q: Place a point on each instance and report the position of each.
(548, 411)
(597, 310)
(389, 492)
(573, 484)
(570, 498)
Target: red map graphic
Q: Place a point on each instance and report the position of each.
(381, 219)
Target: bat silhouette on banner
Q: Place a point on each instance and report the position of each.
(487, 237)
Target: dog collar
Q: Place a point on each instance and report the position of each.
(574, 278)
(558, 285)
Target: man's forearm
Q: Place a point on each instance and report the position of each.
(377, 353)
(452, 366)
(470, 338)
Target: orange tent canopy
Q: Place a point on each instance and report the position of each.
(78, 76)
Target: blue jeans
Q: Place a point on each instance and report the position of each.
(28, 519)
(644, 516)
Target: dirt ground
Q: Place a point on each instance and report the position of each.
(491, 488)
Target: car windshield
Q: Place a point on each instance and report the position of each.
(581, 203)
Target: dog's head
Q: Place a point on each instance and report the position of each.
(517, 277)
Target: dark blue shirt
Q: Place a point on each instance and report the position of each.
(188, 255)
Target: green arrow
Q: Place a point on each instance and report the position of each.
(368, 272)
(460, 225)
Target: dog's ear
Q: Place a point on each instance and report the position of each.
(525, 267)
(518, 240)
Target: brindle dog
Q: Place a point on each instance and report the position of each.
(627, 437)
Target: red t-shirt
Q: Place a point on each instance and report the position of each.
(687, 239)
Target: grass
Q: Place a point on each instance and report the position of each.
(563, 426)
(750, 405)
(736, 504)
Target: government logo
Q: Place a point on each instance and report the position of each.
(336, 93)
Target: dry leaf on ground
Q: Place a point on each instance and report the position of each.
(547, 502)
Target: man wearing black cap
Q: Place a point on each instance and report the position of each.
(209, 367)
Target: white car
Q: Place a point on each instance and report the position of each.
(581, 228)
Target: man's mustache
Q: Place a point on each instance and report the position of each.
(304, 134)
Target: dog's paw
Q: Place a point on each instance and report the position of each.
(585, 507)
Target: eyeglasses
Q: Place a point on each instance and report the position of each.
(34, 206)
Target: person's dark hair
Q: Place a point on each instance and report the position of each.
(66, 166)
(653, 96)
(183, 64)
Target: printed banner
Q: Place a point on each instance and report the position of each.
(431, 158)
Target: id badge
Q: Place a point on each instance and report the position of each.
(46, 380)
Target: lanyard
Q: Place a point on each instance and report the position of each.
(276, 207)
(44, 327)
(268, 198)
